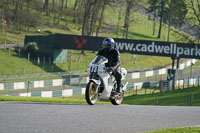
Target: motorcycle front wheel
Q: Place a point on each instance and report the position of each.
(90, 93)
(117, 99)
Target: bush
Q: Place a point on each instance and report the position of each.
(32, 48)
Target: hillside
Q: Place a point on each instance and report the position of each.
(140, 28)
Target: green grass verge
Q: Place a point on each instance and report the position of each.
(181, 97)
(68, 100)
(178, 130)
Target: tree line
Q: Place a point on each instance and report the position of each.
(89, 15)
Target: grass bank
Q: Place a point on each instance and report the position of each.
(11, 63)
(67, 100)
(178, 130)
(181, 97)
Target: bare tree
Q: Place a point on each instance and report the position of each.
(196, 9)
(101, 17)
(129, 4)
(152, 9)
(94, 16)
(46, 7)
(193, 18)
(27, 13)
(161, 18)
(2, 17)
(175, 16)
(16, 10)
(66, 4)
(97, 15)
(157, 7)
(79, 7)
(53, 10)
(20, 20)
(93, 8)
(118, 23)
(61, 11)
(87, 13)
(75, 4)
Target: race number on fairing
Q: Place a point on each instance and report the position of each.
(94, 69)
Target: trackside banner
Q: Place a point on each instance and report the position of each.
(179, 50)
(143, 47)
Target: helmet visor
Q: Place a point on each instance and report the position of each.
(106, 44)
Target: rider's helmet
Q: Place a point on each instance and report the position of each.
(108, 43)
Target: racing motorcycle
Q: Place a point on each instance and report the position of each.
(102, 84)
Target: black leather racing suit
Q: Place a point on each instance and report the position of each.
(113, 57)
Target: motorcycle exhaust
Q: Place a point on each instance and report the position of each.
(124, 87)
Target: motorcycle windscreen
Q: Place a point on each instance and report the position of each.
(99, 60)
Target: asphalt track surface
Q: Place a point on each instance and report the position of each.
(18, 117)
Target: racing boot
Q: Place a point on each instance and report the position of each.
(119, 88)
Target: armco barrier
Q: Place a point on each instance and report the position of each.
(74, 80)
(131, 86)
(149, 73)
(69, 92)
(55, 93)
(43, 83)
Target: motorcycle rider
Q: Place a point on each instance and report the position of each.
(113, 56)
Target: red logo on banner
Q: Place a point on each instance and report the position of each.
(80, 42)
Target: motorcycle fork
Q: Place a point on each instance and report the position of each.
(96, 91)
(97, 88)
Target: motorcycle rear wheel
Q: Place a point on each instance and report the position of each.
(117, 99)
(90, 95)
